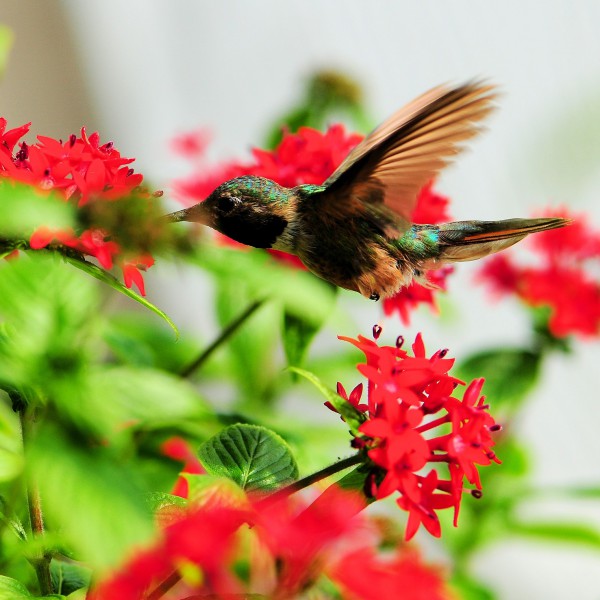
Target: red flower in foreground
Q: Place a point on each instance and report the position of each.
(284, 553)
(365, 576)
(410, 398)
(80, 170)
(565, 279)
(310, 157)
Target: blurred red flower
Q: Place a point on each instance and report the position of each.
(410, 398)
(80, 170)
(279, 550)
(565, 278)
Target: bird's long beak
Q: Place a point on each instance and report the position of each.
(195, 214)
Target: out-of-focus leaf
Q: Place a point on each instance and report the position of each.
(250, 350)
(159, 500)
(114, 402)
(24, 209)
(328, 96)
(353, 417)
(88, 495)
(68, 577)
(11, 457)
(213, 490)
(254, 457)
(560, 533)
(142, 341)
(105, 277)
(47, 311)
(469, 588)
(6, 42)
(301, 293)
(11, 589)
(298, 333)
(510, 374)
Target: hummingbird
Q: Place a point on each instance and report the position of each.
(355, 229)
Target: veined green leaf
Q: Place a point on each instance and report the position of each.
(254, 457)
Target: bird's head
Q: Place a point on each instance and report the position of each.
(250, 210)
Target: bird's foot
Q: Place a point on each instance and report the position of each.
(374, 296)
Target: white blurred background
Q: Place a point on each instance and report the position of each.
(140, 71)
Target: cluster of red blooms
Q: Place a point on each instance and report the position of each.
(410, 398)
(566, 279)
(310, 157)
(80, 170)
(290, 546)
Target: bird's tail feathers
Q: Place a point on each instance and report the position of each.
(470, 240)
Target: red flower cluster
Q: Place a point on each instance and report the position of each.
(566, 279)
(291, 546)
(408, 398)
(80, 170)
(310, 157)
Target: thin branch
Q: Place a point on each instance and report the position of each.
(162, 588)
(225, 334)
(288, 490)
(41, 562)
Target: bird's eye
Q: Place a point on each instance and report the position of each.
(227, 203)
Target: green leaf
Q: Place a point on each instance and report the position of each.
(89, 495)
(562, 533)
(214, 490)
(355, 480)
(469, 588)
(353, 417)
(11, 455)
(254, 457)
(67, 577)
(301, 293)
(298, 333)
(11, 589)
(47, 311)
(156, 501)
(141, 340)
(24, 209)
(510, 374)
(6, 42)
(105, 277)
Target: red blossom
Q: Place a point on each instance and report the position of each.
(563, 279)
(202, 538)
(299, 537)
(178, 449)
(79, 169)
(363, 575)
(410, 408)
(287, 548)
(310, 157)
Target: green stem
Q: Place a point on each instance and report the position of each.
(225, 334)
(40, 562)
(288, 490)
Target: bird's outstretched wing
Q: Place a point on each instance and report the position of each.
(405, 152)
